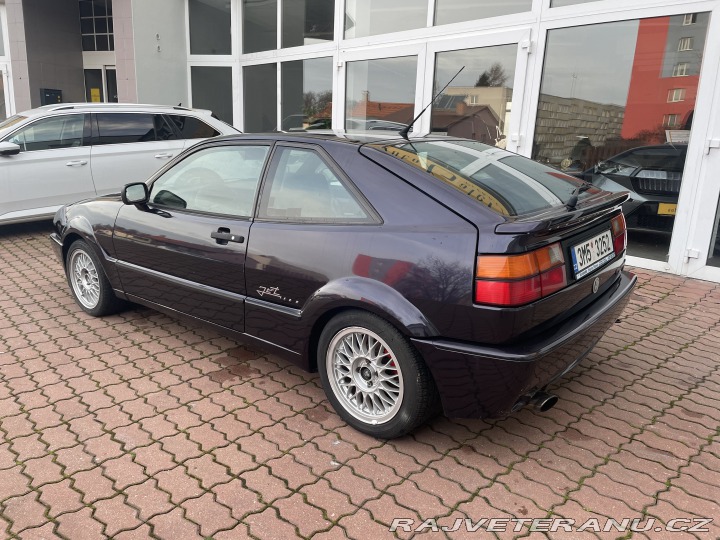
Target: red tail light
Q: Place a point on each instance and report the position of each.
(619, 232)
(514, 280)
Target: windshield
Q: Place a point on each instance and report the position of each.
(11, 121)
(664, 158)
(509, 184)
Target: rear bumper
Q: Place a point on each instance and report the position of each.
(479, 382)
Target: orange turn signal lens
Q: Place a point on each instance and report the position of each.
(506, 267)
(519, 266)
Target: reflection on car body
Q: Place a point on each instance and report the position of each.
(412, 274)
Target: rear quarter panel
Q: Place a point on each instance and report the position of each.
(407, 268)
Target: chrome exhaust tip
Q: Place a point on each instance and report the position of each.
(542, 401)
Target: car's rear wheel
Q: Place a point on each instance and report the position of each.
(373, 377)
(90, 287)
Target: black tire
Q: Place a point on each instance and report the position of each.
(414, 401)
(88, 283)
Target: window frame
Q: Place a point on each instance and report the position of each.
(169, 117)
(676, 95)
(96, 127)
(220, 144)
(373, 218)
(689, 41)
(87, 139)
(109, 31)
(677, 72)
(666, 120)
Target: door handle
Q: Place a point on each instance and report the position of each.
(164, 155)
(76, 163)
(223, 236)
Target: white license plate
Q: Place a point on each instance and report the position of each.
(592, 254)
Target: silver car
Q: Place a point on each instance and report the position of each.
(59, 154)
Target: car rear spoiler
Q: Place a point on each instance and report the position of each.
(560, 219)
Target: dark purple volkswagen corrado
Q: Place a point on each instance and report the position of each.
(411, 274)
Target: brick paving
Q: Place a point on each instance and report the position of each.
(141, 426)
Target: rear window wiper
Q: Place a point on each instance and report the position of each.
(571, 203)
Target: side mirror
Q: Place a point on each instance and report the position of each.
(136, 193)
(9, 149)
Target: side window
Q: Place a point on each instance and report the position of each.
(50, 133)
(125, 128)
(163, 129)
(219, 180)
(192, 128)
(302, 187)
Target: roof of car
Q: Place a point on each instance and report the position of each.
(134, 107)
(358, 138)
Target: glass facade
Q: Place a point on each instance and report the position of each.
(613, 102)
(307, 22)
(212, 89)
(3, 106)
(259, 25)
(453, 11)
(372, 17)
(111, 85)
(210, 28)
(612, 112)
(714, 251)
(307, 98)
(96, 25)
(380, 93)
(94, 86)
(260, 98)
(561, 3)
(478, 103)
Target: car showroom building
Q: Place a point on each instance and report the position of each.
(624, 93)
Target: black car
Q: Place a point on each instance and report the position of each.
(412, 274)
(652, 175)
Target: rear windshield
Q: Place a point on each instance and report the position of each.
(509, 184)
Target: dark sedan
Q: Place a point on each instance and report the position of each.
(652, 175)
(412, 275)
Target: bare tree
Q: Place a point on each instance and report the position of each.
(315, 102)
(495, 76)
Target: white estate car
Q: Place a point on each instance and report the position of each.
(59, 154)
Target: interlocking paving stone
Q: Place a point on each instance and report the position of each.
(139, 425)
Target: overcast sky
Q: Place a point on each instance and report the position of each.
(591, 62)
(317, 75)
(387, 79)
(475, 61)
(588, 62)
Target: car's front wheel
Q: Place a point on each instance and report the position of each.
(90, 287)
(373, 377)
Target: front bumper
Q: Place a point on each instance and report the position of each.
(483, 382)
(57, 245)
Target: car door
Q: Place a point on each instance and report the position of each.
(185, 250)
(130, 147)
(310, 216)
(52, 168)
